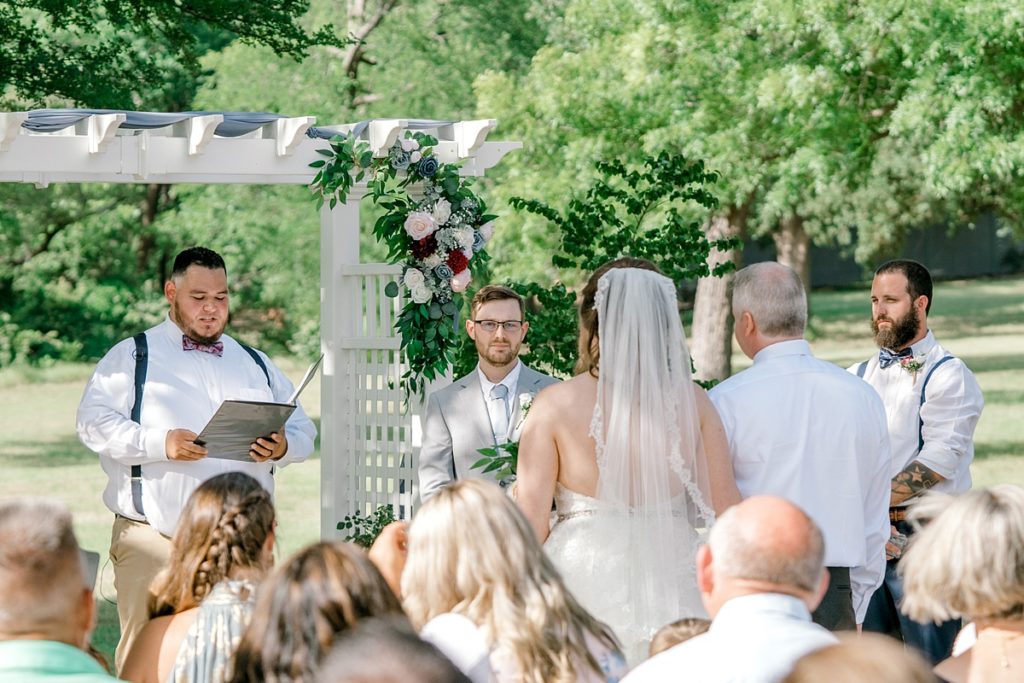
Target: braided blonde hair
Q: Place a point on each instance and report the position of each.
(473, 553)
(222, 534)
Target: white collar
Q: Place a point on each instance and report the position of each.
(790, 347)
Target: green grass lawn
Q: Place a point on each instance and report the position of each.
(981, 321)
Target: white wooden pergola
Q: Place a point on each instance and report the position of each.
(369, 445)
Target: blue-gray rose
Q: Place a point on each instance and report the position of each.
(443, 272)
(478, 241)
(400, 161)
(427, 167)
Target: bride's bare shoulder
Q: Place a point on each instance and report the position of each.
(567, 393)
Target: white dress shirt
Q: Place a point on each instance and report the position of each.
(800, 429)
(500, 427)
(753, 639)
(949, 415)
(183, 390)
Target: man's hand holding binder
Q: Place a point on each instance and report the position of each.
(251, 430)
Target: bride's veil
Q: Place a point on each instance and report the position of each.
(652, 469)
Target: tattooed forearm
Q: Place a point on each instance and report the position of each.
(913, 481)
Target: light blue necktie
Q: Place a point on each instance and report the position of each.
(499, 411)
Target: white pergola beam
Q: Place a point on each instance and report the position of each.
(201, 130)
(288, 133)
(383, 133)
(10, 127)
(101, 130)
(166, 159)
(470, 135)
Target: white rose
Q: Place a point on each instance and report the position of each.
(415, 156)
(487, 230)
(410, 145)
(525, 400)
(413, 278)
(461, 280)
(432, 261)
(420, 224)
(421, 294)
(464, 236)
(442, 211)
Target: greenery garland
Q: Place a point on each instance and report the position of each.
(438, 239)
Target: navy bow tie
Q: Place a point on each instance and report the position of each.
(216, 348)
(887, 357)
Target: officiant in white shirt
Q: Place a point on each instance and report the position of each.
(800, 429)
(485, 407)
(143, 408)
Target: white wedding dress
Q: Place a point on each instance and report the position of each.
(628, 554)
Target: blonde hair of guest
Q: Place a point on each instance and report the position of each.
(968, 561)
(471, 552)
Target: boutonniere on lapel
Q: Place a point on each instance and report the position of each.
(503, 459)
(912, 365)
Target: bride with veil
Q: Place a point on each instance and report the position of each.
(634, 455)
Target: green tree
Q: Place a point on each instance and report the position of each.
(100, 54)
(821, 116)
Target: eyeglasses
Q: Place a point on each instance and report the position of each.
(491, 326)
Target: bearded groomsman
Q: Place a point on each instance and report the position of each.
(802, 429)
(933, 403)
(484, 408)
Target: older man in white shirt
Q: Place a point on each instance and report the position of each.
(800, 429)
(933, 403)
(760, 575)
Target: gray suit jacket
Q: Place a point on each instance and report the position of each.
(456, 424)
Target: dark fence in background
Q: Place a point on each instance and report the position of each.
(975, 252)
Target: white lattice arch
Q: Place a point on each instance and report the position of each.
(369, 446)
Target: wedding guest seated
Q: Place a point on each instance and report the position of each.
(760, 576)
(315, 596)
(46, 608)
(481, 589)
(201, 602)
(856, 659)
(968, 561)
(383, 650)
(677, 632)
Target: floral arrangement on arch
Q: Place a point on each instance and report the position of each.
(437, 234)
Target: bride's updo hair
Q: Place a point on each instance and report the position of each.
(472, 552)
(589, 349)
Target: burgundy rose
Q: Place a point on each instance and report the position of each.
(423, 248)
(457, 261)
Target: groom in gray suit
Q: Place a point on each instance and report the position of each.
(483, 408)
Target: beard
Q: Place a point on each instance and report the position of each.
(499, 357)
(190, 331)
(900, 333)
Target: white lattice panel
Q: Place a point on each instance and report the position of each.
(376, 430)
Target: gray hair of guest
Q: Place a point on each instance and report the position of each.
(968, 560)
(386, 650)
(41, 568)
(774, 296)
(742, 550)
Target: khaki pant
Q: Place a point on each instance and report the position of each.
(138, 552)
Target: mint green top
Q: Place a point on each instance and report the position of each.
(43, 661)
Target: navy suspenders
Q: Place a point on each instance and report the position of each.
(920, 421)
(141, 367)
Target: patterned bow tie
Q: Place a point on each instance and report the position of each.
(887, 357)
(216, 348)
